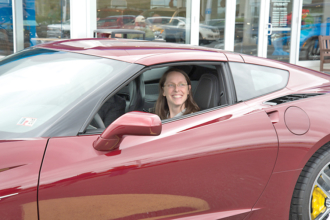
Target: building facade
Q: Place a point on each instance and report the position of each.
(285, 30)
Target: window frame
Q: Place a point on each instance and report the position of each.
(224, 76)
(287, 81)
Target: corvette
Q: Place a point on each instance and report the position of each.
(79, 139)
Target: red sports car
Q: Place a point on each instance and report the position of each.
(79, 139)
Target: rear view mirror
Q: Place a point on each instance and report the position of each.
(132, 123)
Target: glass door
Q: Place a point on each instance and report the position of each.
(279, 30)
(246, 26)
(6, 28)
(158, 20)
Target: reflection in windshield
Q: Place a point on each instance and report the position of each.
(38, 84)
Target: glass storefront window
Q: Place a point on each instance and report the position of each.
(45, 21)
(212, 23)
(160, 20)
(279, 37)
(247, 26)
(6, 28)
(315, 21)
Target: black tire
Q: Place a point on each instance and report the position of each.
(301, 203)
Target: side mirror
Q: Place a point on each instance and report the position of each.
(132, 123)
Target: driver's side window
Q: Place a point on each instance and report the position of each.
(141, 93)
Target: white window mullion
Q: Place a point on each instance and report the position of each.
(230, 25)
(193, 12)
(295, 31)
(18, 27)
(91, 18)
(263, 28)
(82, 18)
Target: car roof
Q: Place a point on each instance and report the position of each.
(151, 52)
(137, 51)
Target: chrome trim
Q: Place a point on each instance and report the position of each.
(2, 197)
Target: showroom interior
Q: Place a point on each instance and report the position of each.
(284, 30)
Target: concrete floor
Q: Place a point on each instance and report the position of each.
(327, 66)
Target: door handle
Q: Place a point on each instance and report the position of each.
(274, 116)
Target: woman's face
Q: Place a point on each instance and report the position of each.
(176, 89)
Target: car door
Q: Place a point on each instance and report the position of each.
(213, 164)
(20, 165)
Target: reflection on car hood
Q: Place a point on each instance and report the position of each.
(59, 26)
(206, 26)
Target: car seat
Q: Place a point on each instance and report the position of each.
(136, 93)
(207, 93)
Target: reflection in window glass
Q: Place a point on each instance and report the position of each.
(160, 20)
(47, 82)
(246, 26)
(262, 81)
(315, 21)
(252, 80)
(6, 28)
(45, 21)
(279, 38)
(212, 23)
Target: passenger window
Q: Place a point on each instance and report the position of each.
(253, 80)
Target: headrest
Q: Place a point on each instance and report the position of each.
(207, 93)
(136, 91)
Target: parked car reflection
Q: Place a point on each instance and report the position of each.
(115, 22)
(173, 29)
(59, 30)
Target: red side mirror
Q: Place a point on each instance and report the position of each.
(132, 123)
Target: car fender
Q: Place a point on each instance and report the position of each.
(313, 149)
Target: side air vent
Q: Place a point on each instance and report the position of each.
(291, 98)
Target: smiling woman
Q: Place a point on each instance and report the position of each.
(175, 96)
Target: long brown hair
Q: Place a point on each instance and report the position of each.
(162, 109)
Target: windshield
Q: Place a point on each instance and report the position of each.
(38, 84)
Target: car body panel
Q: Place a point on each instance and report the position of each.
(234, 57)
(19, 172)
(279, 188)
(183, 56)
(163, 170)
(302, 79)
(289, 146)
